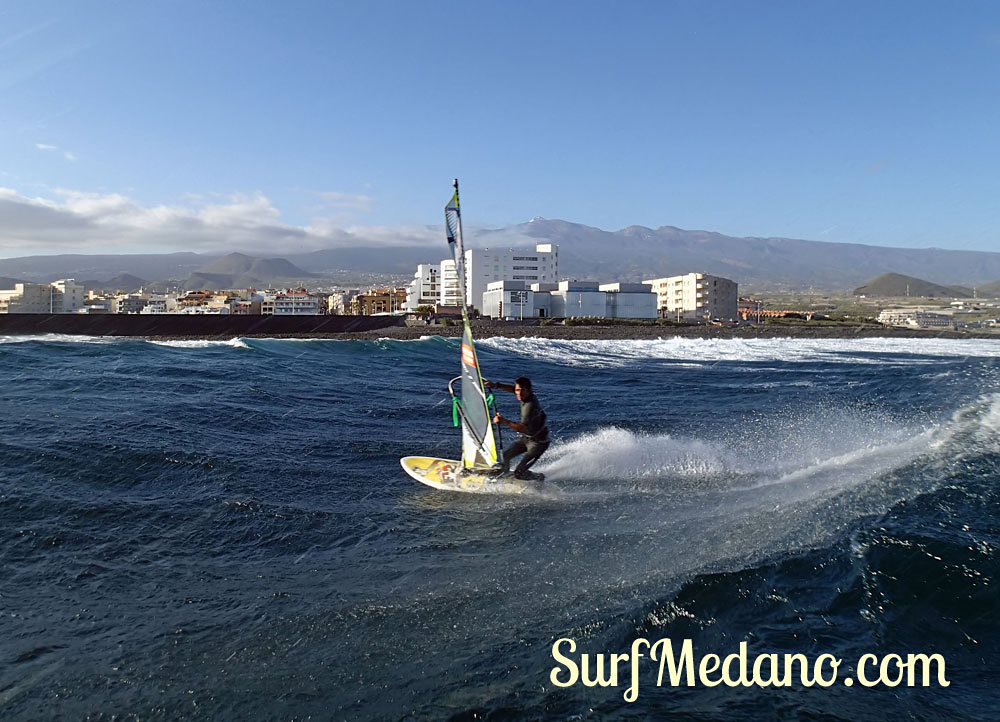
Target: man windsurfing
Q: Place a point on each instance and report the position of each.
(534, 433)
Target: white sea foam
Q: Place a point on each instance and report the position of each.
(626, 352)
(199, 343)
(816, 449)
(61, 338)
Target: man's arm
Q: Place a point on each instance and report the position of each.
(509, 388)
(516, 425)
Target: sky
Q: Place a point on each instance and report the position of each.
(271, 128)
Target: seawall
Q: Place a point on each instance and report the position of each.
(184, 325)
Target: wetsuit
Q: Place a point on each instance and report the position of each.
(533, 442)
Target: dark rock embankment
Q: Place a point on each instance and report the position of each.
(173, 325)
(516, 329)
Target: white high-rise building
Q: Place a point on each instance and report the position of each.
(449, 284)
(425, 288)
(486, 265)
(696, 297)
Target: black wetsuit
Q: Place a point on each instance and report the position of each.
(533, 442)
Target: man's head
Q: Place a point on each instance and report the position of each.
(522, 388)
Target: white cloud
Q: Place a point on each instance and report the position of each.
(349, 201)
(48, 148)
(70, 221)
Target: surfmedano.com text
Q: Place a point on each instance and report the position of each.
(735, 670)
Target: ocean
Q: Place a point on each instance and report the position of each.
(222, 531)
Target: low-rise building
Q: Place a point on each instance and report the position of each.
(572, 299)
(156, 304)
(380, 300)
(128, 303)
(914, 318)
(514, 299)
(568, 299)
(629, 300)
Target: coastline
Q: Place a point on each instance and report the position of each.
(352, 328)
(512, 329)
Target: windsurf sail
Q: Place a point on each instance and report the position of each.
(472, 404)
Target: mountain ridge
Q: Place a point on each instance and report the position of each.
(633, 253)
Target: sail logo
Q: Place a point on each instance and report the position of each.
(468, 355)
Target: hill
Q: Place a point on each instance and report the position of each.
(898, 285)
(988, 290)
(238, 270)
(124, 282)
(238, 264)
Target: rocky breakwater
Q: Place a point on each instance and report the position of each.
(170, 325)
(485, 328)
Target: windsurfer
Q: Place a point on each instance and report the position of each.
(534, 434)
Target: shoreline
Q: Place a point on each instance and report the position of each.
(499, 329)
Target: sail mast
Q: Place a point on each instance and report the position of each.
(453, 221)
(479, 444)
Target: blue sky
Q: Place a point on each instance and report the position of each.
(276, 127)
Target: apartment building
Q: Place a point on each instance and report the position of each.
(72, 295)
(128, 303)
(339, 303)
(449, 285)
(296, 303)
(696, 297)
(425, 288)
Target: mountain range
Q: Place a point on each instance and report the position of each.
(585, 253)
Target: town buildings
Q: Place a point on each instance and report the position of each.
(484, 266)
(437, 285)
(63, 296)
(500, 283)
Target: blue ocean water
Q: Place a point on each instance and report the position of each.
(209, 530)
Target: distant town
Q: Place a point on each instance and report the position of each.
(506, 284)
